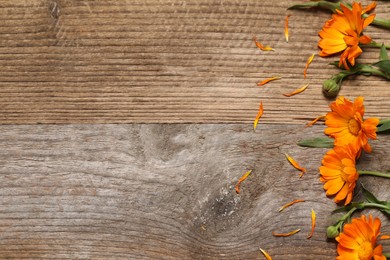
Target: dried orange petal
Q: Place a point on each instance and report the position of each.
(307, 64)
(241, 180)
(297, 91)
(267, 256)
(286, 234)
(296, 165)
(313, 223)
(289, 204)
(267, 80)
(259, 114)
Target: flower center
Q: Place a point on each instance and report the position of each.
(365, 251)
(354, 126)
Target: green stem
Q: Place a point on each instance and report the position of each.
(375, 205)
(387, 255)
(376, 45)
(378, 174)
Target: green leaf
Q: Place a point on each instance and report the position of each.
(321, 4)
(383, 53)
(384, 125)
(317, 142)
(383, 65)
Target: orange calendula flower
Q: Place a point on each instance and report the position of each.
(267, 80)
(266, 255)
(345, 124)
(290, 204)
(309, 60)
(286, 27)
(343, 33)
(297, 91)
(339, 173)
(241, 180)
(295, 165)
(313, 223)
(359, 240)
(286, 234)
(261, 46)
(315, 121)
(259, 114)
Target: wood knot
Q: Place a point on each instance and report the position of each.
(55, 10)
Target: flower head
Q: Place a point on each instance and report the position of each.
(358, 240)
(339, 173)
(345, 124)
(343, 33)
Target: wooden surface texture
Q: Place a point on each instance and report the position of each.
(167, 61)
(79, 180)
(166, 192)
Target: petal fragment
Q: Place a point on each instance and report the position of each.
(315, 120)
(267, 80)
(241, 180)
(261, 46)
(286, 234)
(297, 91)
(266, 255)
(313, 223)
(309, 60)
(290, 204)
(295, 165)
(286, 34)
(259, 114)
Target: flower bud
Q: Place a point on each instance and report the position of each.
(332, 232)
(330, 88)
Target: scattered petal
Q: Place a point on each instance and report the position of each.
(289, 204)
(286, 27)
(267, 256)
(267, 80)
(297, 91)
(286, 234)
(315, 121)
(384, 237)
(259, 114)
(313, 223)
(241, 180)
(307, 64)
(296, 165)
(261, 46)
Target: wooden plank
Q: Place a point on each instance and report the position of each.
(165, 192)
(104, 61)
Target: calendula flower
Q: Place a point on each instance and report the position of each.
(345, 124)
(343, 33)
(339, 173)
(359, 240)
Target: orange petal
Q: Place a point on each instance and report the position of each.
(296, 165)
(384, 237)
(241, 180)
(309, 60)
(286, 27)
(259, 114)
(267, 80)
(261, 46)
(315, 120)
(369, 8)
(289, 204)
(313, 223)
(297, 91)
(286, 234)
(267, 256)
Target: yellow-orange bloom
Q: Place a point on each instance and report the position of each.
(359, 240)
(339, 173)
(345, 124)
(343, 33)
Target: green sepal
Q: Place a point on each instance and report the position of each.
(317, 142)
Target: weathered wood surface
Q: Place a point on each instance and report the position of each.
(165, 192)
(64, 61)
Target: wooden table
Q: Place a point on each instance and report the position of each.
(126, 125)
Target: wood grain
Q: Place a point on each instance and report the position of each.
(165, 192)
(64, 61)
